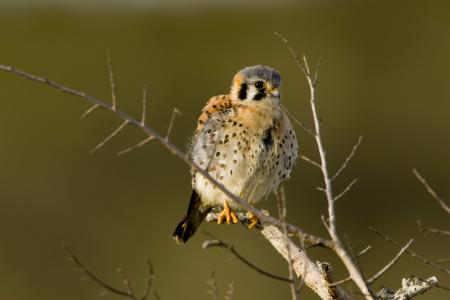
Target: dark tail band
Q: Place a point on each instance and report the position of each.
(194, 217)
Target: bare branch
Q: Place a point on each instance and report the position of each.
(127, 283)
(410, 252)
(427, 230)
(109, 137)
(291, 50)
(244, 220)
(313, 162)
(340, 250)
(111, 79)
(219, 243)
(167, 144)
(140, 144)
(301, 124)
(432, 192)
(364, 251)
(346, 279)
(144, 104)
(347, 160)
(172, 120)
(319, 274)
(411, 287)
(89, 111)
(391, 263)
(349, 186)
(92, 276)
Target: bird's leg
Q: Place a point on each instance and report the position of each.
(252, 220)
(227, 215)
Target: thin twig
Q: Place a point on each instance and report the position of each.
(432, 192)
(364, 251)
(346, 279)
(410, 252)
(349, 186)
(144, 104)
(109, 137)
(127, 283)
(89, 111)
(92, 276)
(140, 144)
(347, 160)
(111, 79)
(372, 279)
(221, 244)
(172, 120)
(360, 253)
(313, 162)
(301, 124)
(427, 230)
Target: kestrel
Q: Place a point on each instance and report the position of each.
(245, 141)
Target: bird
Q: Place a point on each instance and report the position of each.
(246, 142)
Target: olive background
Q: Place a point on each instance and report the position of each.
(384, 76)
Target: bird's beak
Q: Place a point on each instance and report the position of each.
(274, 92)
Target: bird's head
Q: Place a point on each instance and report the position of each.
(256, 83)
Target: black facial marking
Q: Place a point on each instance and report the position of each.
(243, 92)
(259, 96)
(267, 140)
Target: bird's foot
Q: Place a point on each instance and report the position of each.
(227, 215)
(253, 221)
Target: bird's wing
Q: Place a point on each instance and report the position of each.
(209, 130)
(215, 105)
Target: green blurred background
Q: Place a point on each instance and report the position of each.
(385, 76)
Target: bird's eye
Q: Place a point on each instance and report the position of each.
(259, 84)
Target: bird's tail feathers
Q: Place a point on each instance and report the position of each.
(190, 223)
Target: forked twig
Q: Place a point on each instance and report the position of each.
(128, 292)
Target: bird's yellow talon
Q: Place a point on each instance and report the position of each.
(253, 221)
(227, 215)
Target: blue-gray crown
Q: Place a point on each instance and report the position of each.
(262, 72)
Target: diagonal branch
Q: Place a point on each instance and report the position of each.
(432, 192)
(345, 191)
(347, 160)
(390, 264)
(410, 252)
(109, 137)
(170, 147)
(216, 242)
